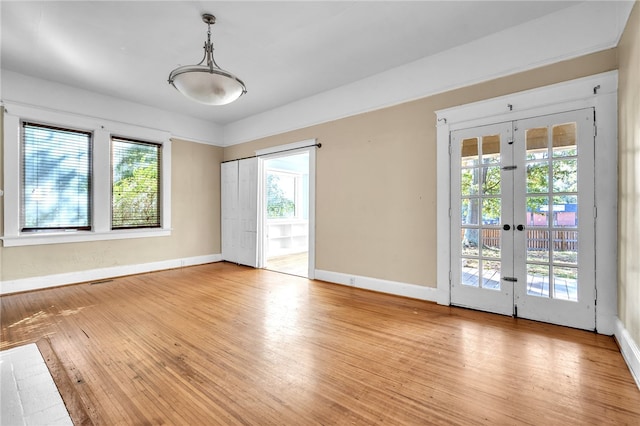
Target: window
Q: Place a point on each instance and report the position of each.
(135, 184)
(282, 192)
(56, 179)
(71, 178)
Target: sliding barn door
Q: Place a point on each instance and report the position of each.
(239, 199)
(248, 211)
(229, 208)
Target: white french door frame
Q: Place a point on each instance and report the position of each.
(598, 92)
(279, 151)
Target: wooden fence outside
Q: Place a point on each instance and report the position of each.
(537, 239)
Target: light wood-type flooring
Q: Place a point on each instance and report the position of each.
(294, 264)
(225, 344)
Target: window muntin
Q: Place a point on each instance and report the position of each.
(135, 184)
(56, 178)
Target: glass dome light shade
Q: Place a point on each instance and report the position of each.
(207, 85)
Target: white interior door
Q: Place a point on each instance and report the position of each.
(523, 218)
(239, 207)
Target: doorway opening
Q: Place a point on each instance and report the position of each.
(287, 213)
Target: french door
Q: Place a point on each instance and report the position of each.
(522, 213)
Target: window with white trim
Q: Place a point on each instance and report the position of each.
(71, 178)
(56, 179)
(135, 184)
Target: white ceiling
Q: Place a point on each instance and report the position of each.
(283, 51)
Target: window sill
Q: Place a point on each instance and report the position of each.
(80, 236)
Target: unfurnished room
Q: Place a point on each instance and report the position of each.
(319, 212)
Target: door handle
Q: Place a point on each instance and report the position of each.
(520, 227)
(506, 226)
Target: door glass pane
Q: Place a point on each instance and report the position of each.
(491, 211)
(537, 245)
(565, 211)
(537, 145)
(538, 177)
(469, 181)
(491, 149)
(564, 140)
(491, 274)
(565, 282)
(491, 243)
(565, 175)
(552, 253)
(470, 242)
(491, 180)
(537, 280)
(480, 190)
(470, 272)
(537, 211)
(469, 152)
(565, 247)
(469, 211)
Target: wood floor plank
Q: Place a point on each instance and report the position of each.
(225, 344)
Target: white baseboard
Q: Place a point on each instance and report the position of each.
(47, 281)
(630, 350)
(384, 286)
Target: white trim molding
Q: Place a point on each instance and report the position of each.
(102, 132)
(629, 349)
(598, 92)
(581, 29)
(48, 281)
(23, 89)
(382, 286)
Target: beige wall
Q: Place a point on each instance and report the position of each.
(376, 177)
(195, 209)
(629, 177)
(376, 186)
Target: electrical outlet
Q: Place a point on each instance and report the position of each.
(352, 281)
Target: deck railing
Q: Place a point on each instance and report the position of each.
(537, 239)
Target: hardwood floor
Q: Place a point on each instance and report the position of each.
(294, 264)
(223, 344)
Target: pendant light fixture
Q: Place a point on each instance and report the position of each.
(206, 82)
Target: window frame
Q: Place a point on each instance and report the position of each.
(24, 126)
(103, 130)
(160, 177)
